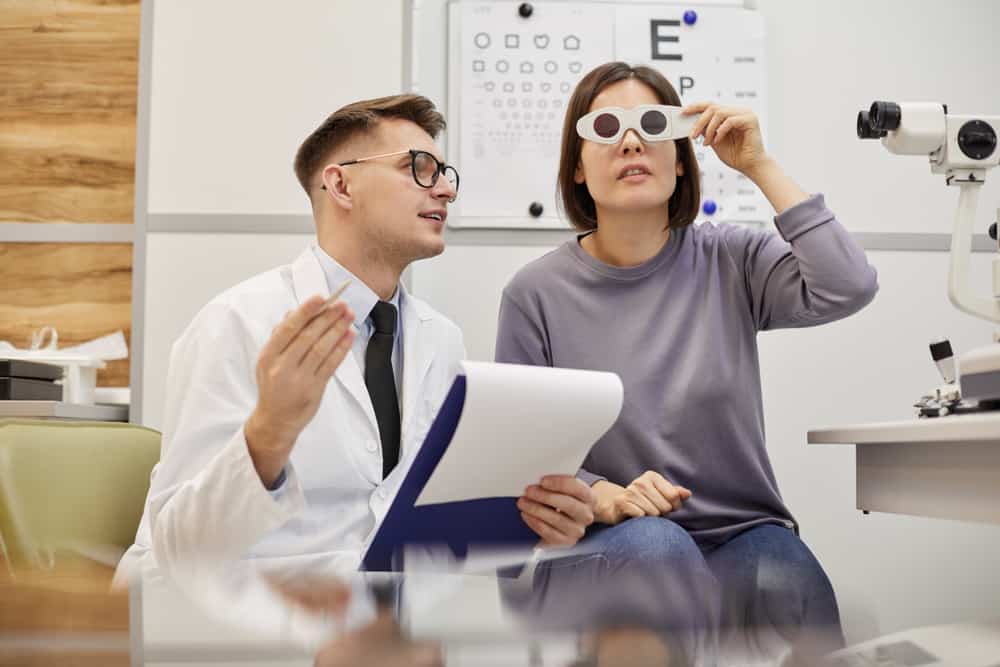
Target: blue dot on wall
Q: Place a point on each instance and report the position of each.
(690, 17)
(709, 207)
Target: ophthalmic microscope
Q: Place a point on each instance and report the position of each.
(962, 148)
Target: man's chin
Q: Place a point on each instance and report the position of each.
(429, 248)
(435, 250)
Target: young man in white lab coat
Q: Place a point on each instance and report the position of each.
(285, 437)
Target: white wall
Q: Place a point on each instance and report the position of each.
(236, 86)
(184, 271)
(231, 104)
(826, 60)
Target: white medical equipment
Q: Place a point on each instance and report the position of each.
(957, 457)
(962, 148)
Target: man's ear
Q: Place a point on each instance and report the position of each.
(337, 186)
(578, 176)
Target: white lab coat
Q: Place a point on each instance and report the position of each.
(207, 510)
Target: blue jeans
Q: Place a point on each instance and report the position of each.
(755, 598)
(775, 596)
(634, 577)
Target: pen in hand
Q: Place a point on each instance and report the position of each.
(336, 295)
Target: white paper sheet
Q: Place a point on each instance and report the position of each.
(520, 423)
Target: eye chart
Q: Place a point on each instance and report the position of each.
(513, 66)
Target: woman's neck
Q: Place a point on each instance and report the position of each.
(626, 239)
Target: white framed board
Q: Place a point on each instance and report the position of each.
(512, 71)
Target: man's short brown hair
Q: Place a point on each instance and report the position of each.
(577, 203)
(359, 118)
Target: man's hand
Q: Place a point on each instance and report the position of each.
(316, 595)
(293, 370)
(649, 494)
(559, 509)
(379, 643)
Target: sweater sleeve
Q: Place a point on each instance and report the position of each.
(523, 339)
(813, 273)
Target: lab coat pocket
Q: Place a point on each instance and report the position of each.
(339, 448)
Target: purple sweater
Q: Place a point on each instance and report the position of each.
(681, 332)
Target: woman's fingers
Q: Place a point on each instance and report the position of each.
(638, 498)
(645, 485)
(739, 122)
(717, 119)
(668, 492)
(723, 130)
(628, 508)
(716, 122)
(697, 108)
(707, 113)
(658, 490)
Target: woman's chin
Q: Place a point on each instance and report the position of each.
(640, 203)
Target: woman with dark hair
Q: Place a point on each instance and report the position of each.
(683, 478)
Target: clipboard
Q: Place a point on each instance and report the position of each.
(483, 521)
(500, 428)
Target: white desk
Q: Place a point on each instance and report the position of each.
(958, 645)
(60, 410)
(945, 467)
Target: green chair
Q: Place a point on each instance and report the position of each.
(76, 487)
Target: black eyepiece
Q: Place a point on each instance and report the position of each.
(865, 129)
(884, 116)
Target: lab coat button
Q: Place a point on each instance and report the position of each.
(371, 446)
(381, 493)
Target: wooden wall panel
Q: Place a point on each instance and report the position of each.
(68, 92)
(68, 86)
(84, 290)
(62, 609)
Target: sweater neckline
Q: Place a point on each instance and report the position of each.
(665, 254)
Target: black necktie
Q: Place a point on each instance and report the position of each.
(381, 382)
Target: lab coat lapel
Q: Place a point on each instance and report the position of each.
(419, 349)
(308, 279)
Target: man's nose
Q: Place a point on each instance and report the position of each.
(444, 189)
